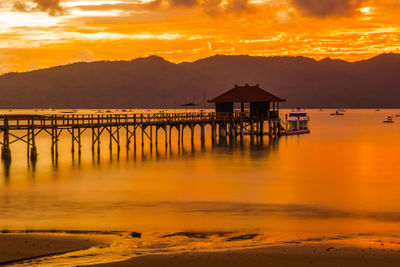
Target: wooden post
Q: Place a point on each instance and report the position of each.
(170, 134)
(222, 131)
(257, 128)
(111, 137)
(118, 145)
(183, 126)
(5, 151)
(241, 127)
(166, 137)
(156, 133)
(151, 136)
(179, 134)
(93, 138)
(73, 139)
(231, 132)
(72, 134)
(127, 136)
(98, 139)
(134, 136)
(202, 133)
(56, 136)
(213, 130)
(33, 149)
(251, 131)
(269, 128)
(134, 132)
(192, 133)
(52, 134)
(79, 141)
(143, 129)
(28, 138)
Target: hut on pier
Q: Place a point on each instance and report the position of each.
(262, 104)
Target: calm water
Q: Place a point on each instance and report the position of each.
(343, 178)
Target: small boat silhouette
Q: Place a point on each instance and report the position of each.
(389, 120)
(337, 113)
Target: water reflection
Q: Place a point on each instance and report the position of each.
(256, 149)
(6, 170)
(32, 166)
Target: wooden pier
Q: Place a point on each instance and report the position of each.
(128, 126)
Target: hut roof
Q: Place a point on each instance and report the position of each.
(246, 94)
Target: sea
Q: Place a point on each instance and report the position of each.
(340, 182)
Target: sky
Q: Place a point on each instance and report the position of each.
(44, 33)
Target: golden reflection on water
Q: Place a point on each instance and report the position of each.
(342, 178)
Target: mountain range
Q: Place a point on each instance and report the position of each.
(153, 82)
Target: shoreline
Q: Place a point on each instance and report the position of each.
(195, 249)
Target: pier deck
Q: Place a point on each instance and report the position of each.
(223, 126)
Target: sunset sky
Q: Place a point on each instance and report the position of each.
(43, 33)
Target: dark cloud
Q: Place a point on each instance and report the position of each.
(52, 7)
(325, 8)
(212, 7)
(184, 3)
(19, 6)
(238, 5)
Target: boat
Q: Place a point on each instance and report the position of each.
(297, 132)
(389, 120)
(67, 112)
(297, 122)
(337, 113)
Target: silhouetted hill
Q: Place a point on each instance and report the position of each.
(153, 82)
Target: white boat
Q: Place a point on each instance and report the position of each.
(297, 121)
(389, 120)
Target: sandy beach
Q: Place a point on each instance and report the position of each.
(18, 247)
(356, 251)
(325, 255)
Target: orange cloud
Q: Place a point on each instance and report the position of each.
(324, 8)
(53, 7)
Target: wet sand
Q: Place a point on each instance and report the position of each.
(17, 247)
(325, 255)
(322, 251)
